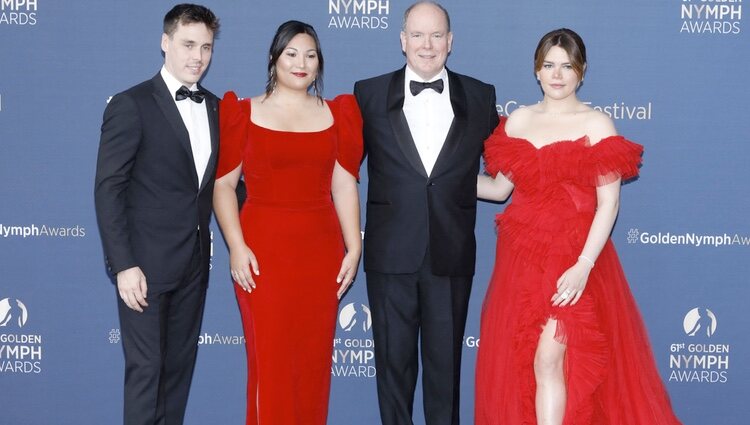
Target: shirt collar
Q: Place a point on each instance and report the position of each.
(172, 83)
(410, 75)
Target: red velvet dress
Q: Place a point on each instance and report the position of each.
(290, 223)
(610, 372)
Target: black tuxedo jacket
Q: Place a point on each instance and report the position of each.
(149, 207)
(407, 211)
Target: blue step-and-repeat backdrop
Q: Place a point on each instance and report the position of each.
(673, 74)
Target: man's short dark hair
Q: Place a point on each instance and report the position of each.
(187, 13)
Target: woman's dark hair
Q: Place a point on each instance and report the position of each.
(286, 32)
(567, 40)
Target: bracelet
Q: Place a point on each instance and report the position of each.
(587, 259)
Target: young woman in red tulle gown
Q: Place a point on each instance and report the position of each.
(562, 341)
(295, 245)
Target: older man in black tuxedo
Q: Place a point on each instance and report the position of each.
(424, 128)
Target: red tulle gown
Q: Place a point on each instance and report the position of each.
(290, 223)
(609, 368)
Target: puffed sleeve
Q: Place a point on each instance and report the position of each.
(614, 157)
(234, 118)
(348, 122)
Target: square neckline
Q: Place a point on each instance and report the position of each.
(273, 130)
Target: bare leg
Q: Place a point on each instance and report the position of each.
(550, 378)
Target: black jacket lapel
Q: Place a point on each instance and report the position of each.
(212, 108)
(163, 98)
(398, 121)
(458, 127)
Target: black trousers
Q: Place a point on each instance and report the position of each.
(160, 347)
(411, 310)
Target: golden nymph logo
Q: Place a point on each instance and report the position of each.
(18, 12)
(710, 17)
(359, 14)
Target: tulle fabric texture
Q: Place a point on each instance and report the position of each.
(609, 367)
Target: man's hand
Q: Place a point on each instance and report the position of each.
(131, 284)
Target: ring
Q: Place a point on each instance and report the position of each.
(565, 295)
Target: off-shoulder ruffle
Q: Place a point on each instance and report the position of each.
(234, 119)
(614, 158)
(348, 121)
(577, 161)
(497, 152)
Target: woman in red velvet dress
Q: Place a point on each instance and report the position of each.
(562, 341)
(295, 244)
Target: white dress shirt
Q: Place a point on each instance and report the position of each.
(430, 115)
(195, 117)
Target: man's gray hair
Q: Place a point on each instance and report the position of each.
(434, 3)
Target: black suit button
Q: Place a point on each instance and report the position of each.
(431, 184)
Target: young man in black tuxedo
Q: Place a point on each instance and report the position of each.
(154, 186)
(424, 128)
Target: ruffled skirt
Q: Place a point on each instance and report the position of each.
(610, 372)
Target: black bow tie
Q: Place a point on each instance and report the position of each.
(184, 93)
(416, 87)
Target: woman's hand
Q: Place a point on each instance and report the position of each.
(239, 258)
(571, 284)
(348, 271)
